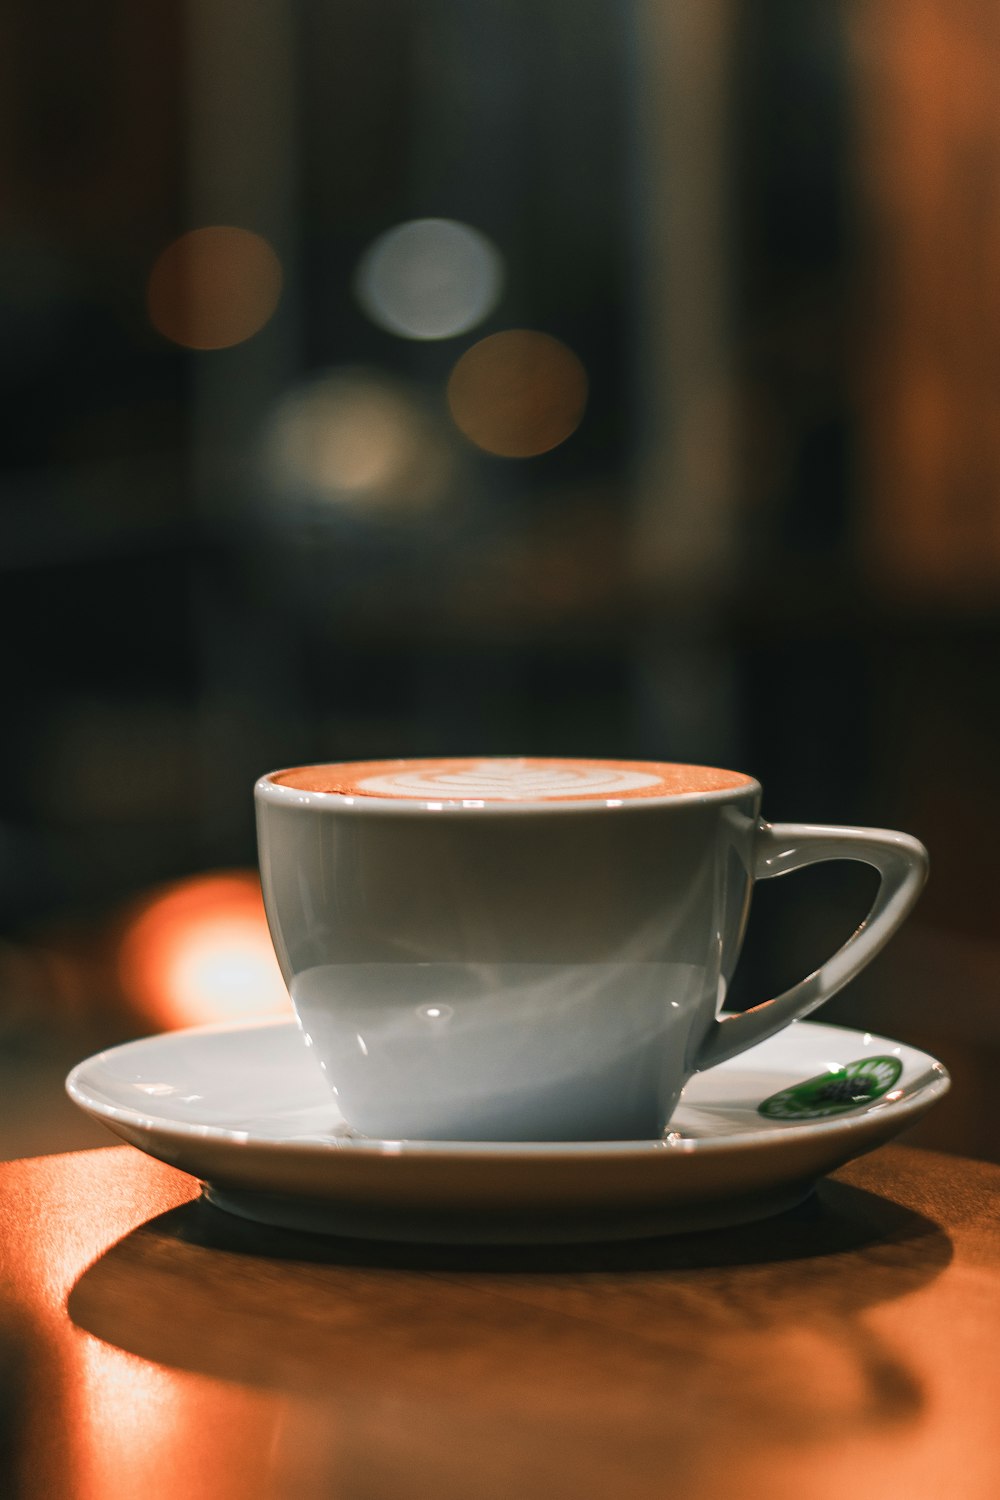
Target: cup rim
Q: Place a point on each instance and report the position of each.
(266, 789)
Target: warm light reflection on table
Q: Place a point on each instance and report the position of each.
(205, 1358)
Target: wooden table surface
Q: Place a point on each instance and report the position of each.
(152, 1347)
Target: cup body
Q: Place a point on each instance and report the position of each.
(508, 972)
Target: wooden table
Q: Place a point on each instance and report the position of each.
(152, 1347)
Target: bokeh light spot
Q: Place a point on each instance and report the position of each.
(429, 279)
(356, 439)
(200, 950)
(214, 287)
(518, 393)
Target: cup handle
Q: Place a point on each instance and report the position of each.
(780, 848)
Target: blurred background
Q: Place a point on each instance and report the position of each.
(589, 377)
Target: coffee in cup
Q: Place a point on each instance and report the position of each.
(532, 949)
(508, 780)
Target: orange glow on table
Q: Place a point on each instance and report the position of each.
(144, 1430)
(165, 1352)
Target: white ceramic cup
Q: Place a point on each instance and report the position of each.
(517, 949)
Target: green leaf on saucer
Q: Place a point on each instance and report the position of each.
(850, 1087)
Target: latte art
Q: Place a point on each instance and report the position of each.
(476, 782)
(509, 781)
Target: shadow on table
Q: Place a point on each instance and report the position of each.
(765, 1316)
(904, 1247)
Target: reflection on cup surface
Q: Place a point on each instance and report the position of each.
(425, 1032)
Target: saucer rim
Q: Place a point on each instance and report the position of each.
(922, 1092)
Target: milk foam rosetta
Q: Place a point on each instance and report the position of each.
(509, 779)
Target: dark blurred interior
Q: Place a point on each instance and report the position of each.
(733, 267)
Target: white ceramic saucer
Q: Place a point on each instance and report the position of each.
(245, 1109)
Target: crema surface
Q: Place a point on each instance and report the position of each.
(474, 781)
